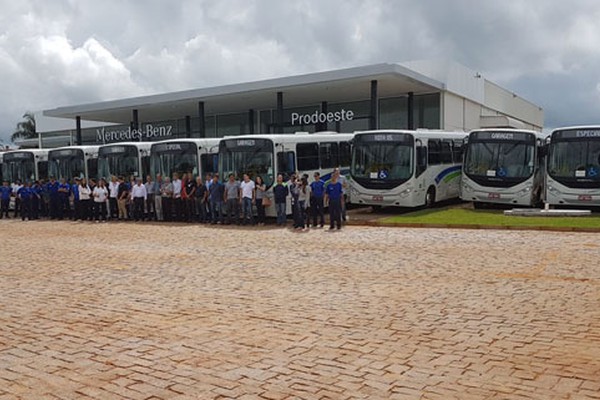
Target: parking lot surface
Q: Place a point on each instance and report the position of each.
(156, 311)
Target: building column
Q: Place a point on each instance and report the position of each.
(409, 109)
(136, 122)
(202, 118)
(251, 121)
(280, 111)
(374, 120)
(323, 126)
(78, 139)
(188, 126)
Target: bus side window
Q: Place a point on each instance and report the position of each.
(286, 163)
(421, 160)
(457, 151)
(434, 152)
(92, 165)
(308, 156)
(446, 153)
(345, 154)
(328, 153)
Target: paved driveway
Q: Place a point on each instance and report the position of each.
(148, 311)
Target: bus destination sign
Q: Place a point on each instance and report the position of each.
(385, 137)
(577, 134)
(504, 136)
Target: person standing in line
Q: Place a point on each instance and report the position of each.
(138, 197)
(76, 205)
(207, 182)
(317, 191)
(303, 199)
(85, 200)
(232, 192)
(36, 196)
(158, 212)
(247, 194)
(100, 195)
(166, 194)
(54, 199)
(177, 202)
(24, 195)
(122, 199)
(64, 191)
(151, 192)
(342, 180)
(216, 195)
(280, 193)
(113, 193)
(16, 187)
(260, 194)
(200, 196)
(294, 186)
(45, 201)
(5, 192)
(189, 189)
(334, 195)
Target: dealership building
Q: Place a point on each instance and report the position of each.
(410, 95)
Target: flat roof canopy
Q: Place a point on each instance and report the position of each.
(338, 86)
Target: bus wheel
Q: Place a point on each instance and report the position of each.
(430, 197)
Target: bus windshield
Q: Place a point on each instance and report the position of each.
(118, 161)
(168, 158)
(66, 164)
(19, 166)
(500, 160)
(382, 161)
(247, 156)
(576, 160)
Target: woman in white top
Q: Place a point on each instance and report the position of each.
(100, 199)
(85, 196)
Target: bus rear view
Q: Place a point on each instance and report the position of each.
(502, 166)
(573, 167)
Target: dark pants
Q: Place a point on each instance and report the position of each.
(335, 213)
(100, 211)
(178, 208)
(4, 208)
(232, 211)
(25, 204)
(317, 209)
(190, 209)
(85, 209)
(216, 210)
(200, 209)
(138, 208)
(65, 208)
(167, 203)
(297, 214)
(17, 206)
(55, 211)
(76, 210)
(114, 210)
(34, 208)
(150, 208)
(260, 211)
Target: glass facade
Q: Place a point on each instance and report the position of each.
(393, 114)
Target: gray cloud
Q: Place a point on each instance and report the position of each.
(69, 52)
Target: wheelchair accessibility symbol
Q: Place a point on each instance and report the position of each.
(501, 172)
(383, 174)
(592, 172)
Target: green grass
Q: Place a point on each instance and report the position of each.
(461, 216)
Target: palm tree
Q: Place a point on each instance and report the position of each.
(26, 128)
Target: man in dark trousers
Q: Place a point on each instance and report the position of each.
(5, 192)
(334, 194)
(54, 199)
(317, 191)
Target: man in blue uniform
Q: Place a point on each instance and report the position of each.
(317, 191)
(334, 193)
(5, 191)
(34, 202)
(24, 195)
(52, 188)
(75, 191)
(64, 190)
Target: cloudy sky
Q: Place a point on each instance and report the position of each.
(64, 52)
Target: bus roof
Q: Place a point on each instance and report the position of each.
(297, 138)
(199, 142)
(139, 145)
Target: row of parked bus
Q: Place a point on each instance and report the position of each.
(384, 168)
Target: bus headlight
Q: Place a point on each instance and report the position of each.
(468, 188)
(552, 189)
(405, 193)
(524, 192)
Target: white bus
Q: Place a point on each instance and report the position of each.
(503, 166)
(127, 159)
(268, 155)
(405, 168)
(573, 167)
(73, 161)
(25, 165)
(198, 156)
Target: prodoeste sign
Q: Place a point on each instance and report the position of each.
(322, 117)
(146, 132)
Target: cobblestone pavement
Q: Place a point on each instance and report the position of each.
(149, 311)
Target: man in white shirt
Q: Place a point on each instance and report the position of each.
(139, 196)
(247, 195)
(177, 202)
(113, 191)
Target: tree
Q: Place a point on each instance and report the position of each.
(26, 128)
